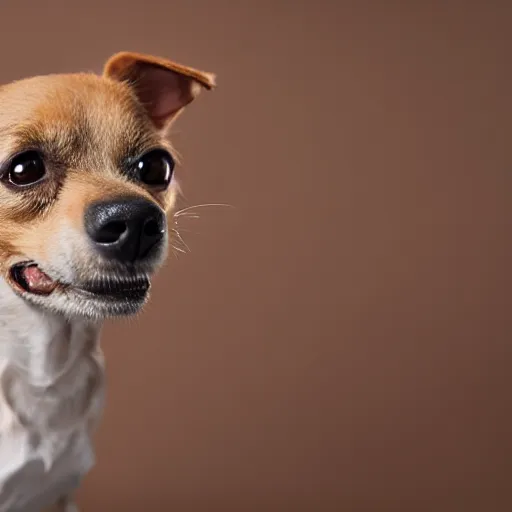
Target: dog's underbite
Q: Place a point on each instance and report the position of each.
(86, 186)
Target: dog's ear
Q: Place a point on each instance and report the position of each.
(163, 87)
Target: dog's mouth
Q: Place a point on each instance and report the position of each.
(28, 277)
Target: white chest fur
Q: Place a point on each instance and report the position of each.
(51, 396)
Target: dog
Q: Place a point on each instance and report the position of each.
(86, 186)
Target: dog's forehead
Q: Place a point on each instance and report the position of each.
(82, 113)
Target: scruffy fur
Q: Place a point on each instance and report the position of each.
(51, 365)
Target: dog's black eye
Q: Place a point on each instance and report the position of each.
(155, 168)
(26, 169)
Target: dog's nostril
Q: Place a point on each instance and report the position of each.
(111, 232)
(152, 228)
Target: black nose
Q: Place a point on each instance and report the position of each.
(125, 229)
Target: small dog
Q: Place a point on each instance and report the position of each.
(86, 181)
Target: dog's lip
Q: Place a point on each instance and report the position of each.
(127, 287)
(108, 286)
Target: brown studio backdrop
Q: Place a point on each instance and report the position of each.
(339, 340)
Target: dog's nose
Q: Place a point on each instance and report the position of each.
(125, 229)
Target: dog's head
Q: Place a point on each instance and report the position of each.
(86, 182)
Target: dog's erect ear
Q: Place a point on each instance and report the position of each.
(163, 87)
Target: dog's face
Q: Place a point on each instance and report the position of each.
(86, 183)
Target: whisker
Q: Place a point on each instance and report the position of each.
(206, 205)
(184, 230)
(179, 249)
(181, 240)
(178, 238)
(189, 216)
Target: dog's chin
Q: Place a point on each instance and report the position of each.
(111, 294)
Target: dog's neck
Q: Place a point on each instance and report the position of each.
(41, 345)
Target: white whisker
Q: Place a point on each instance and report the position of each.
(206, 205)
(179, 249)
(184, 230)
(188, 216)
(181, 240)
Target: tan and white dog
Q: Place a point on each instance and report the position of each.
(86, 182)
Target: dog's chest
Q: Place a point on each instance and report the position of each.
(51, 393)
(33, 477)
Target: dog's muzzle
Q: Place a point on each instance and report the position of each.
(129, 235)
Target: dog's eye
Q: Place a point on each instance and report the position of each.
(26, 169)
(155, 168)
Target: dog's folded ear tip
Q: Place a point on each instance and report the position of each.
(210, 80)
(119, 63)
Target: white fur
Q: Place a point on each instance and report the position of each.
(51, 397)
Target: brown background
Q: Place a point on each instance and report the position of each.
(338, 341)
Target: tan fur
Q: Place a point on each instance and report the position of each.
(87, 126)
